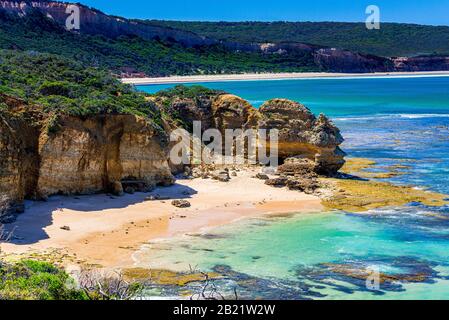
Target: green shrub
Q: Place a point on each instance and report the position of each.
(35, 280)
(57, 88)
(182, 91)
(62, 86)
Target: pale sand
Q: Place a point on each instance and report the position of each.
(106, 232)
(277, 76)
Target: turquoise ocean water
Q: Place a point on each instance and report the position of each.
(318, 256)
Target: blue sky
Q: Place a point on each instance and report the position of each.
(435, 12)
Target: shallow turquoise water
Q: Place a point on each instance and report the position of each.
(349, 97)
(394, 121)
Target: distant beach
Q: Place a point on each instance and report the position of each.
(277, 76)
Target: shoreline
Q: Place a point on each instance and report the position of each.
(279, 76)
(106, 232)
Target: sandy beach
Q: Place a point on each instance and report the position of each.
(106, 231)
(276, 76)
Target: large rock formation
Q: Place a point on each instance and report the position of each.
(18, 155)
(232, 112)
(300, 132)
(79, 156)
(46, 154)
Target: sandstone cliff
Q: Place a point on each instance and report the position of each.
(45, 154)
(300, 132)
(95, 22)
(80, 156)
(426, 63)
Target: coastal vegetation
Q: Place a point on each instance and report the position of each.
(59, 86)
(36, 280)
(40, 280)
(392, 40)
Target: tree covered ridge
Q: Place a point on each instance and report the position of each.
(392, 40)
(155, 57)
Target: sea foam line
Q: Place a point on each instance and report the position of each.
(392, 116)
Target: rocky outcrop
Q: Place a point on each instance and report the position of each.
(301, 133)
(426, 63)
(80, 156)
(232, 112)
(297, 173)
(19, 159)
(87, 156)
(337, 60)
(46, 154)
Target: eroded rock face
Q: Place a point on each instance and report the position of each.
(232, 112)
(302, 134)
(338, 60)
(95, 22)
(18, 158)
(426, 63)
(82, 156)
(87, 156)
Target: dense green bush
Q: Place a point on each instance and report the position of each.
(61, 86)
(34, 280)
(37, 280)
(182, 91)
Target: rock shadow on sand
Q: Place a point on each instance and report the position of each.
(29, 228)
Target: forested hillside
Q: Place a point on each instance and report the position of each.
(154, 57)
(393, 39)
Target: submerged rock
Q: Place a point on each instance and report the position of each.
(356, 195)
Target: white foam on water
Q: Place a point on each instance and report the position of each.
(392, 116)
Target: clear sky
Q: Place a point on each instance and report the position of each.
(435, 12)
